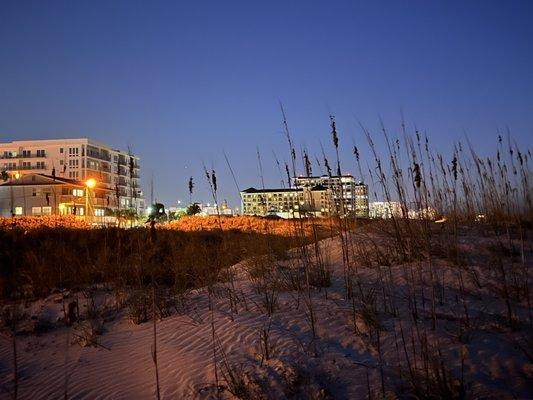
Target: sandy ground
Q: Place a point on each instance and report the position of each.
(339, 363)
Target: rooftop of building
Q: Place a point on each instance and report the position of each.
(252, 190)
(324, 176)
(44, 142)
(49, 180)
(81, 140)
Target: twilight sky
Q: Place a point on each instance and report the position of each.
(182, 82)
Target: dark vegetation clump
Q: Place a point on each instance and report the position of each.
(35, 262)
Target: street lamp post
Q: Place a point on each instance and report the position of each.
(90, 184)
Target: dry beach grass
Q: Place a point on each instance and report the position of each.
(316, 309)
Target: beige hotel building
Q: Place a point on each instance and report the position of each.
(318, 196)
(77, 160)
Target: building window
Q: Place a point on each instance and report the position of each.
(47, 210)
(77, 192)
(18, 210)
(36, 210)
(40, 153)
(99, 212)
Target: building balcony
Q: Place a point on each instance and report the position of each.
(24, 168)
(98, 156)
(20, 156)
(126, 173)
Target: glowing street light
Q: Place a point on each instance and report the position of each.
(90, 183)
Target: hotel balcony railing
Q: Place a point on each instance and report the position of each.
(126, 173)
(19, 156)
(105, 157)
(24, 168)
(80, 200)
(125, 163)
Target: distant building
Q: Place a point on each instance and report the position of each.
(348, 197)
(318, 196)
(212, 209)
(394, 209)
(385, 209)
(423, 213)
(78, 159)
(177, 210)
(33, 194)
(286, 203)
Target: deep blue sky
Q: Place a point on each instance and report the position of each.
(180, 81)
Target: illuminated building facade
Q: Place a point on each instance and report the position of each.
(385, 209)
(33, 194)
(311, 195)
(286, 203)
(348, 197)
(78, 159)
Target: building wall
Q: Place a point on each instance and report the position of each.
(261, 203)
(287, 203)
(385, 209)
(78, 159)
(29, 200)
(348, 196)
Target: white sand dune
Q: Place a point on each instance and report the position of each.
(339, 364)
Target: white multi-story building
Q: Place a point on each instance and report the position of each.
(385, 209)
(78, 159)
(394, 209)
(348, 196)
(311, 195)
(213, 209)
(287, 203)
